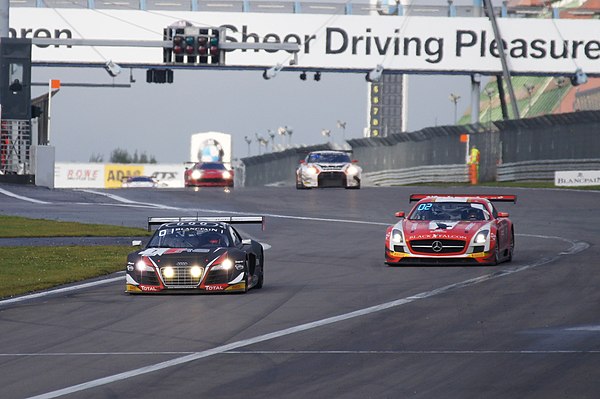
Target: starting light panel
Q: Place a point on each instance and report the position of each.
(194, 45)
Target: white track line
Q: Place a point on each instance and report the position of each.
(10, 194)
(61, 290)
(289, 331)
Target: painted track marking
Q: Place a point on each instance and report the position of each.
(293, 330)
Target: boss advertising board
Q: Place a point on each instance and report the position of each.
(344, 42)
(211, 147)
(79, 175)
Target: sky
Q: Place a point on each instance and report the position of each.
(159, 119)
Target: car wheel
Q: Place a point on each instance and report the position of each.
(246, 279)
(512, 247)
(496, 256)
(261, 278)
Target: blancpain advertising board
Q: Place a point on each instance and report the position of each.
(577, 178)
(345, 42)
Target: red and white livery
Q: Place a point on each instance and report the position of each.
(451, 229)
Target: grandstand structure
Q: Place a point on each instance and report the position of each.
(538, 96)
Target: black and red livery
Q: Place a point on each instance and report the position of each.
(197, 254)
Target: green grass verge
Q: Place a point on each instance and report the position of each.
(33, 268)
(28, 269)
(14, 226)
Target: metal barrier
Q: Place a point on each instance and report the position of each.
(543, 169)
(420, 174)
(15, 141)
(524, 149)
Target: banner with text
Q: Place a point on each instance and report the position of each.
(346, 42)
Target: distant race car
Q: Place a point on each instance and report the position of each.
(206, 174)
(452, 229)
(196, 254)
(328, 169)
(139, 181)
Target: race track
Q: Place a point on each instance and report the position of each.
(332, 321)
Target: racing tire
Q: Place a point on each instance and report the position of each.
(496, 260)
(261, 278)
(246, 280)
(512, 247)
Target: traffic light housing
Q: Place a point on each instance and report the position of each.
(159, 75)
(194, 45)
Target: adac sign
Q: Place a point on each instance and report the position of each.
(115, 173)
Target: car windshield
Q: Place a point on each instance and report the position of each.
(211, 165)
(328, 157)
(461, 211)
(190, 237)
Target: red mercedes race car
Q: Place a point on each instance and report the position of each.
(451, 229)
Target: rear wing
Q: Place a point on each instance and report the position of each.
(153, 221)
(490, 197)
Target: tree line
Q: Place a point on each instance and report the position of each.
(120, 155)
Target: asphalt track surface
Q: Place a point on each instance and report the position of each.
(332, 321)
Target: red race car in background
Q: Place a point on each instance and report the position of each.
(207, 174)
(452, 229)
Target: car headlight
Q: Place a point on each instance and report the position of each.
(481, 237)
(226, 175)
(196, 271)
(168, 272)
(311, 170)
(196, 174)
(225, 265)
(397, 237)
(351, 170)
(141, 266)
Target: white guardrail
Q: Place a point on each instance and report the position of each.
(543, 169)
(457, 173)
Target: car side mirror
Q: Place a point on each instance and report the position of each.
(502, 214)
(302, 162)
(355, 161)
(399, 214)
(136, 243)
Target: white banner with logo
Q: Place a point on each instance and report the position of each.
(341, 42)
(577, 178)
(79, 175)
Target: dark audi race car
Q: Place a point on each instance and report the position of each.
(196, 254)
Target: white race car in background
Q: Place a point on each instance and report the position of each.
(328, 169)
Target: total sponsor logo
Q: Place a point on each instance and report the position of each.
(214, 287)
(149, 288)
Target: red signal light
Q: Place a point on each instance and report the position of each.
(178, 44)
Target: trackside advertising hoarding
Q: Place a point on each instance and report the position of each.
(345, 42)
(99, 175)
(211, 147)
(577, 178)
